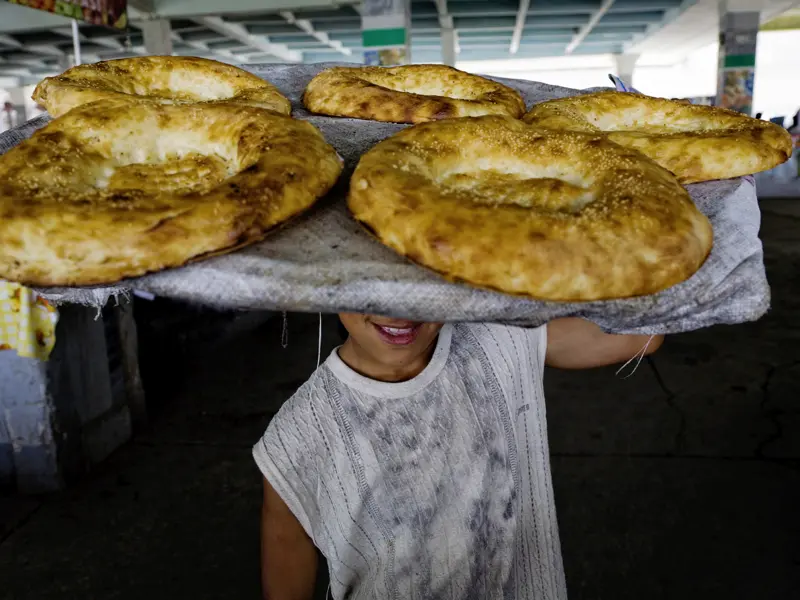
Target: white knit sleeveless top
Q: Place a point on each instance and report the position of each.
(434, 488)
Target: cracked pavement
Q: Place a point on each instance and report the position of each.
(680, 482)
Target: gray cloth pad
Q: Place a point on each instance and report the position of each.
(324, 262)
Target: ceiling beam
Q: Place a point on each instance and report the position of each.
(17, 73)
(193, 8)
(519, 25)
(206, 49)
(48, 49)
(201, 47)
(7, 40)
(587, 28)
(109, 42)
(238, 32)
(24, 58)
(306, 26)
(255, 57)
(775, 9)
(178, 38)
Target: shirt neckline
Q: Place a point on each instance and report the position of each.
(401, 389)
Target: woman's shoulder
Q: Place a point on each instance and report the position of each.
(496, 338)
(510, 352)
(299, 438)
(310, 404)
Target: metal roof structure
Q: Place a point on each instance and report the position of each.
(483, 30)
(34, 44)
(487, 30)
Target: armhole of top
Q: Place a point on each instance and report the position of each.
(542, 347)
(282, 486)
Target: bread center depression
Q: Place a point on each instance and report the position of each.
(185, 163)
(534, 179)
(128, 157)
(547, 188)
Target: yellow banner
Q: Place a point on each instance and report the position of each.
(27, 321)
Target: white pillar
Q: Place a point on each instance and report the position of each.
(65, 62)
(386, 32)
(739, 21)
(625, 65)
(157, 37)
(448, 40)
(76, 43)
(17, 97)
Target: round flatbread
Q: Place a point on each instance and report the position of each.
(408, 94)
(552, 215)
(116, 189)
(165, 79)
(696, 143)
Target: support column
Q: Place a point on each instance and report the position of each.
(447, 36)
(157, 37)
(17, 98)
(60, 416)
(385, 32)
(66, 61)
(738, 33)
(76, 43)
(624, 64)
(448, 47)
(28, 448)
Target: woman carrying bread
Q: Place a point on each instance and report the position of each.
(415, 459)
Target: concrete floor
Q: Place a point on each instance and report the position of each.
(682, 482)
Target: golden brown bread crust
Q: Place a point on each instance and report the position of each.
(166, 79)
(551, 215)
(696, 143)
(116, 189)
(408, 94)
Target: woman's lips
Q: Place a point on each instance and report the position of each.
(398, 336)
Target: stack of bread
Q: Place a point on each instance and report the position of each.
(156, 161)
